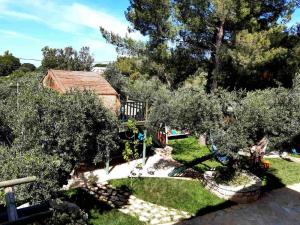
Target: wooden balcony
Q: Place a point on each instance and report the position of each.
(133, 110)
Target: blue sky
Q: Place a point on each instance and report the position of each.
(26, 26)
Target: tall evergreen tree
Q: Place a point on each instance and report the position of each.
(237, 42)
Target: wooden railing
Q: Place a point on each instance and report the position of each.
(24, 215)
(133, 110)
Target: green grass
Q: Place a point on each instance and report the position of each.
(185, 195)
(294, 155)
(99, 212)
(112, 217)
(280, 174)
(186, 150)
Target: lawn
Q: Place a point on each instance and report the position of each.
(185, 195)
(186, 150)
(112, 217)
(281, 173)
(99, 212)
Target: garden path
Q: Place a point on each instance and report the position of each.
(147, 212)
(161, 163)
(278, 207)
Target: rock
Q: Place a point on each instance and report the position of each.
(155, 221)
(143, 219)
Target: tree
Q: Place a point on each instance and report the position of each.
(184, 35)
(8, 63)
(214, 26)
(27, 67)
(52, 133)
(67, 59)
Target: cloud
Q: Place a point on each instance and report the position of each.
(71, 18)
(20, 15)
(14, 34)
(76, 25)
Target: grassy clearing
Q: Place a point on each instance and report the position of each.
(99, 212)
(186, 150)
(185, 195)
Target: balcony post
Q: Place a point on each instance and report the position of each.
(144, 147)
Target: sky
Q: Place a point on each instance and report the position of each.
(26, 26)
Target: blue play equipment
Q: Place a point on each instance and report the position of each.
(221, 158)
(141, 136)
(295, 152)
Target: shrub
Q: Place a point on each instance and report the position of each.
(53, 133)
(16, 163)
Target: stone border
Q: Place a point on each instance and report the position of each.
(240, 194)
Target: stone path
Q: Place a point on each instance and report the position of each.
(279, 207)
(147, 212)
(152, 213)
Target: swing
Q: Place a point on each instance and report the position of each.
(223, 159)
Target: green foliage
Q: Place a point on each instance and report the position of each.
(195, 109)
(27, 67)
(8, 63)
(154, 21)
(17, 163)
(183, 36)
(124, 46)
(67, 59)
(128, 66)
(272, 113)
(130, 151)
(65, 213)
(100, 65)
(52, 133)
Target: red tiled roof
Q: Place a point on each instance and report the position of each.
(81, 80)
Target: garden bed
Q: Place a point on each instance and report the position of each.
(240, 193)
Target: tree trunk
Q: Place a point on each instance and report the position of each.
(216, 57)
(202, 139)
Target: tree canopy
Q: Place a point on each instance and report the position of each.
(67, 59)
(8, 63)
(240, 44)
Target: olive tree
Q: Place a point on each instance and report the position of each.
(52, 133)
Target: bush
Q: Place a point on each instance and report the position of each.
(16, 163)
(53, 133)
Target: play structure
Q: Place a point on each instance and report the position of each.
(165, 133)
(14, 215)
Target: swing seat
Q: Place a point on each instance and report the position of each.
(221, 158)
(177, 171)
(295, 152)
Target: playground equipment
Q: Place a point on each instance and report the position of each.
(14, 215)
